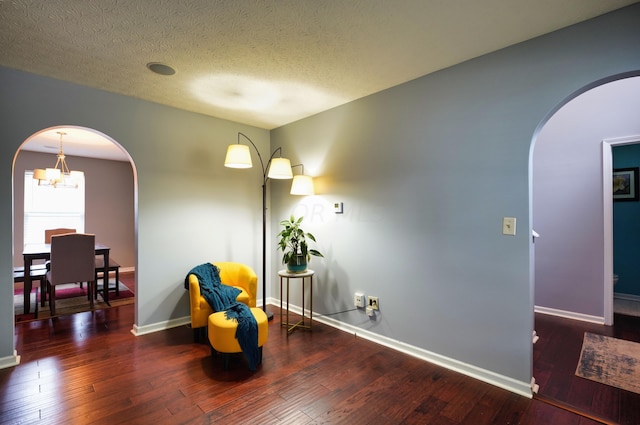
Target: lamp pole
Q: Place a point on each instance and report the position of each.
(265, 178)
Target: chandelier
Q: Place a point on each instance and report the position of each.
(60, 175)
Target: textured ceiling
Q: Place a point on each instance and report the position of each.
(266, 63)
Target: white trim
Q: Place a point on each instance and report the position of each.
(628, 297)
(521, 388)
(160, 326)
(571, 314)
(10, 361)
(607, 215)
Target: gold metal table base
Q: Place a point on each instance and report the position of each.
(303, 323)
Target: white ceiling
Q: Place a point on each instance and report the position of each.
(266, 63)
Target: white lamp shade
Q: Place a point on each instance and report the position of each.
(238, 156)
(302, 185)
(280, 169)
(53, 174)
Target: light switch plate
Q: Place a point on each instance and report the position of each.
(509, 226)
(337, 207)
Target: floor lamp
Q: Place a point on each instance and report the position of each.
(239, 156)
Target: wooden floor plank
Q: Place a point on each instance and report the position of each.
(556, 357)
(89, 368)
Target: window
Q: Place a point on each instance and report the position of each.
(49, 208)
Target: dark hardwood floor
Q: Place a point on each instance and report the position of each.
(89, 369)
(555, 358)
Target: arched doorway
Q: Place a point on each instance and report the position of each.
(111, 186)
(570, 202)
(572, 210)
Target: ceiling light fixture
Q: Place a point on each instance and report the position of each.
(58, 177)
(160, 68)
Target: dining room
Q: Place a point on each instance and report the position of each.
(102, 205)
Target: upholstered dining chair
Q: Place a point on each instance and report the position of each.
(72, 260)
(47, 239)
(238, 275)
(59, 231)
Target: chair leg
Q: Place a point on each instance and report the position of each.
(38, 289)
(118, 281)
(43, 291)
(91, 286)
(52, 298)
(225, 361)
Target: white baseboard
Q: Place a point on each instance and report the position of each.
(628, 297)
(570, 315)
(521, 388)
(160, 326)
(10, 361)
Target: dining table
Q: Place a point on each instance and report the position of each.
(42, 251)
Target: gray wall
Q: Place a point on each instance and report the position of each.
(190, 209)
(426, 171)
(109, 202)
(567, 195)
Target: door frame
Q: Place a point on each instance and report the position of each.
(607, 213)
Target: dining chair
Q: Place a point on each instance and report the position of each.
(102, 273)
(59, 231)
(72, 260)
(38, 272)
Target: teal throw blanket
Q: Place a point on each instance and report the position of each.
(222, 297)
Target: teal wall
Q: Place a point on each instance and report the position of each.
(626, 229)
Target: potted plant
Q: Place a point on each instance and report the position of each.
(294, 246)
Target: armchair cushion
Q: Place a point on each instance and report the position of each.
(237, 275)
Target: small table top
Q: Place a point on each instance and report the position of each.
(286, 273)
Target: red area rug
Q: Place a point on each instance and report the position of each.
(70, 299)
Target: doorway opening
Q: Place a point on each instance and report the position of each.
(571, 199)
(609, 218)
(111, 192)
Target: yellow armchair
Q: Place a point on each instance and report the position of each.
(237, 275)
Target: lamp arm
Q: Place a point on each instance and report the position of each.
(298, 165)
(264, 171)
(264, 168)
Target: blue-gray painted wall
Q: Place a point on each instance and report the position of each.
(426, 171)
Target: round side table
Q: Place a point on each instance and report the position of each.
(302, 323)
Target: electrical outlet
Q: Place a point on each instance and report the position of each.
(373, 303)
(358, 299)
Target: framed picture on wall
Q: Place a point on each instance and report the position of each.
(625, 184)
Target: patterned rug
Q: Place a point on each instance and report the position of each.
(70, 299)
(610, 361)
